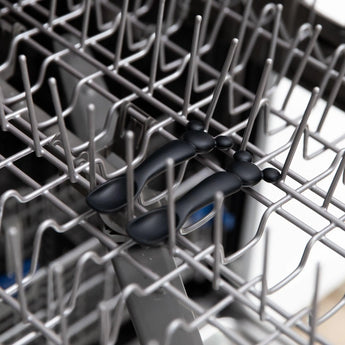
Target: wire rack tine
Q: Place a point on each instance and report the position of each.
(63, 130)
(192, 65)
(15, 243)
(91, 149)
(256, 105)
(121, 33)
(105, 323)
(171, 205)
(30, 105)
(156, 46)
(52, 12)
(302, 65)
(299, 132)
(217, 238)
(3, 120)
(275, 32)
(313, 311)
(264, 288)
(130, 174)
(220, 82)
(206, 17)
(86, 22)
(58, 273)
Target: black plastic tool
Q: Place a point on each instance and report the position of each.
(152, 227)
(111, 195)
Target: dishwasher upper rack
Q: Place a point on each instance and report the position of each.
(73, 174)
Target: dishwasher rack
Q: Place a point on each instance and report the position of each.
(88, 90)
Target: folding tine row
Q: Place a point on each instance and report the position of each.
(171, 172)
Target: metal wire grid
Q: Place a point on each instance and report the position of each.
(55, 324)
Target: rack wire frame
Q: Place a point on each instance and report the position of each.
(79, 167)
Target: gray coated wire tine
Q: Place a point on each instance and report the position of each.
(121, 33)
(16, 247)
(30, 105)
(332, 311)
(58, 273)
(156, 46)
(312, 12)
(220, 82)
(192, 65)
(91, 148)
(63, 130)
(334, 183)
(218, 238)
(299, 132)
(206, 17)
(264, 288)
(275, 31)
(52, 11)
(331, 98)
(257, 101)
(313, 311)
(130, 174)
(3, 120)
(105, 323)
(171, 205)
(241, 34)
(86, 22)
(170, 15)
(302, 65)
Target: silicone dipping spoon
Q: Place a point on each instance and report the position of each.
(152, 228)
(111, 196)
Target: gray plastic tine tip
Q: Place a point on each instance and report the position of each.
(264, 288)
(275, 32)
(156, 46)
(58, 273)
(220, 82)
(52, 11)
(334, 183)
(119, 42)
(302, 64)
(15, 243)
(92, 164)
(192, 65)
(256, 105)
(130, 174)
(171, 205)
(63, 130)
(313, 311)
(299, 131)
(218, 238)
(3, 120)
(86, 22)
(30, 105)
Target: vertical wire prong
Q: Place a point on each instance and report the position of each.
(30, 105)
(217, 238)
(63, 130)
(58, 273)
(332, 96)
(192, 65)
(206, 17)
(302, 65)
(130, 174)
(334, 183)
(264, 287)
(14, 238)
(275, 31)
(313, 311)
(156, 46)
(119, 42)
(105, 323)
(220, 82)
(299, 131)
(171, 205)
(3, 120)
(52, 11)
(92, 164)
(86, 22)
(256, 105)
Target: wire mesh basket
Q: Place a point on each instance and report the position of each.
(250, 228)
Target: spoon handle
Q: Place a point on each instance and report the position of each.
(154, 164)
(203, 194)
